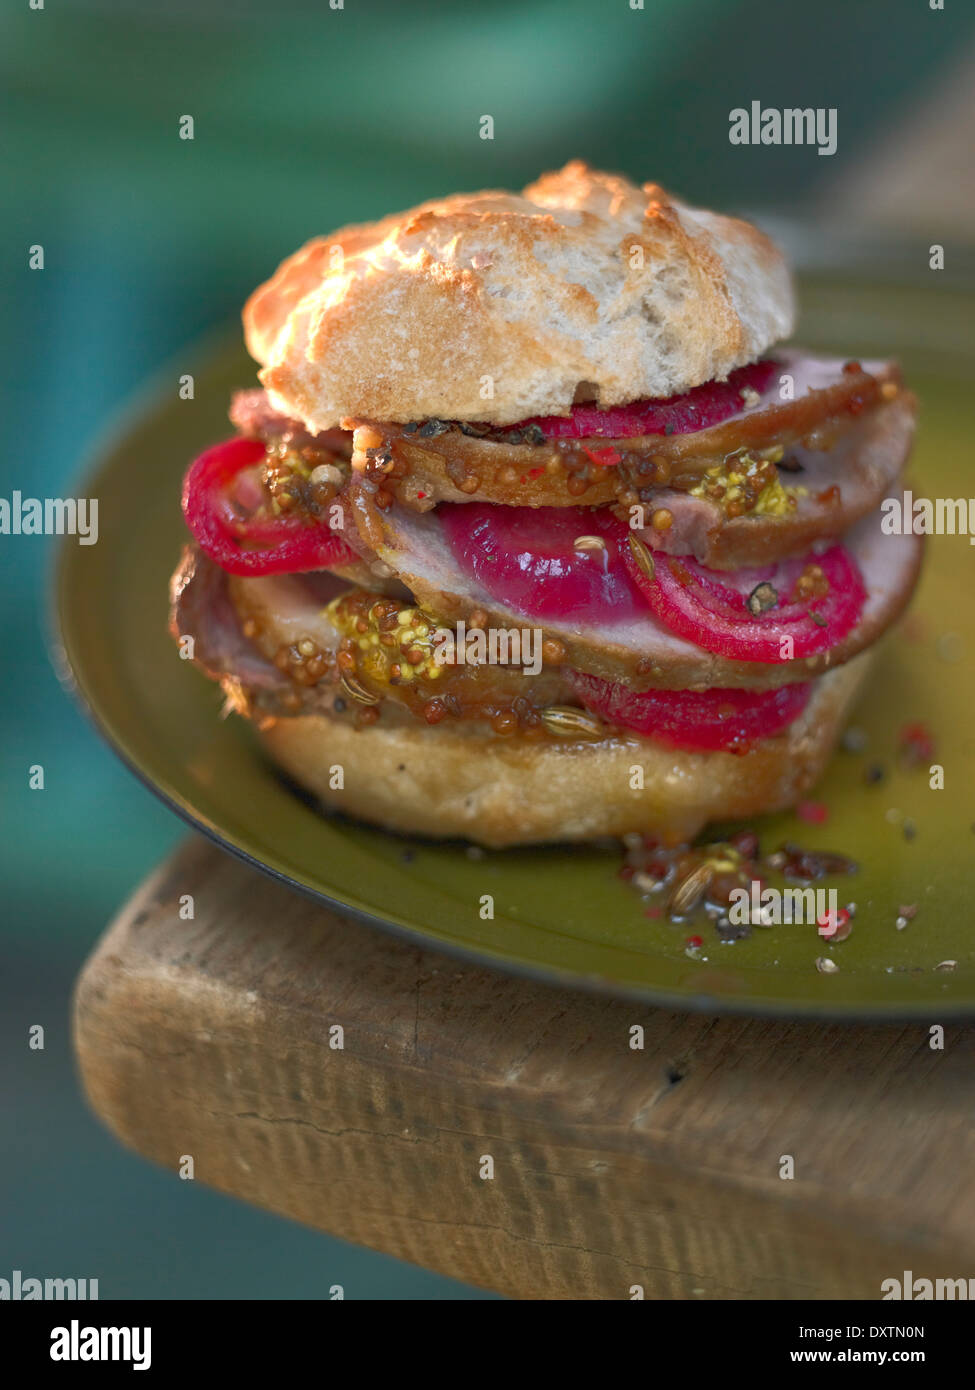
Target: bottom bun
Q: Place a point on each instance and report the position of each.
(463, 781)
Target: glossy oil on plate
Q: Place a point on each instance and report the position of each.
(563, 914)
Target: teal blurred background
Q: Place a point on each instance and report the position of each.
(305, 117)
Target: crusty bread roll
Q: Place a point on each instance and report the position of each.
(460, 781)
(583, 286)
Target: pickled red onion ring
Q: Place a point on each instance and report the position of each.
(259, 545)
(695, 720)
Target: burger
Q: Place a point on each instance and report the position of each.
(534, 531)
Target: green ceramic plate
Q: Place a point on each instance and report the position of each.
(563, 914)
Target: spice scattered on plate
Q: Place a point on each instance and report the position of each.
(915, 746)
(710, 881)
(806, 864)
(813, 812)
(825, 966)
(835, 926)
(854, 740)
(874, 774)
(732, 931)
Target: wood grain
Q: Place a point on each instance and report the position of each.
(613, 1167)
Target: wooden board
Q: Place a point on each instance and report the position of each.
(613, 1167)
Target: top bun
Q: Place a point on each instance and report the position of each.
(583, 288)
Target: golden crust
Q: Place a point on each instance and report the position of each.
(584, 280)
(457, 781)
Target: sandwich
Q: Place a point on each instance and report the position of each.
(534, 530)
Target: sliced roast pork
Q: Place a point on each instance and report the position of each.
(831, 490)
(809, 399)
(200, 608)
(817, 400)
(638, 650)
